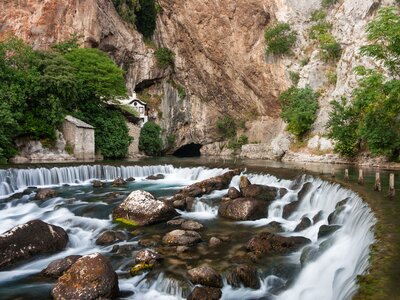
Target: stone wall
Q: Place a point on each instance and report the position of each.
(134, 132)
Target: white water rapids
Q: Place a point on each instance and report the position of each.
(330, 275)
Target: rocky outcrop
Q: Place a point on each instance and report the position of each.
(29, 239)
(269, 243)
(90, 277)
(205, 275)
(263, 192)
(181, 238)
(141, 208)
(58, 267)
(242, 209)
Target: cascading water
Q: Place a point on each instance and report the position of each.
(85, 213)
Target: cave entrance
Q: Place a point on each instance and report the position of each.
(189, 150)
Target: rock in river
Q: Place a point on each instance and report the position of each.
(262, 192)
(141, 208)
(242, 209)
(266, 242)
(58, 267)
(205, 275)
(205, 293)
(43, 194)
(181, 238)
(90, 277)
(26, 240)
(243, 275)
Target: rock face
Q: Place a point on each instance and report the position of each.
(205, 293)
(181, 238)
(91, 277)
(43, 194)
(205, 275)
(243, 275)
(242, 209)
(58, 267)
(32, 238)
(270, 243)
(142, 208)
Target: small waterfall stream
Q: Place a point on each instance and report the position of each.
(330, 274)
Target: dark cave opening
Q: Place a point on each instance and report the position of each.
(189, 150)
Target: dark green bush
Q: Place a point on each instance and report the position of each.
(165, 57)
(280, 39)
(226, 127)
(150, 141)
(294, 77)
(127, 9)
(299, 107)
(318, 15)
(146, 18)
(328, 3)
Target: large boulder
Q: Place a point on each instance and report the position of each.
(270, 243)
(244, 182)
(207, 186)
(205, 293)
(29, 239)
(243, 275)
(262, 192)
(181, 238)
(205, 275)
(142, 208)
(43, 194)
(58, 267)
(242, 209)
(90, 277)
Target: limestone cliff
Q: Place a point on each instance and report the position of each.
(219, 60)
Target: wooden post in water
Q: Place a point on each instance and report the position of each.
(360, 177)
(378, 186)
(346, 174)
(391, 186)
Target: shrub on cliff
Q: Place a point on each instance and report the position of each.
(146, 18)
(226, 127)
(280, 38)
(299, 107)
(165, 57)
(150, 141)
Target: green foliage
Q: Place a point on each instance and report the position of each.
(384, 33)
(304, 62)
(226, 127)
(294, 77)
(165, 57)
(332, 77)
(150, 140)
(320, 28)
(171, 139)
(237, 143)
(146, 18)
(372, 116)
(328, 3)
(127, 9)
(98, 76)
(181, 92)
(67, 45)
(330, 49)
(318, 15)
(280, 38)
(38, 88)
(299, 107)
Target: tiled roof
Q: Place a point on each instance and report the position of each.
(78, 123)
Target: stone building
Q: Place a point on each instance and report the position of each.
(80, 137)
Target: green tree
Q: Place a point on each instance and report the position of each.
(226, 126)
(146, 18)
(165, 57)
(372, 117)
(280, 38)
(150, 141)
(299, 107)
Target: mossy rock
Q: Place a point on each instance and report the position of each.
(126, 222)
(137, 269)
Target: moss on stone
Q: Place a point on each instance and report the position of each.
(126, 222)
(136, 269)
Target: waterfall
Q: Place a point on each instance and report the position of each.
(17, 180)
